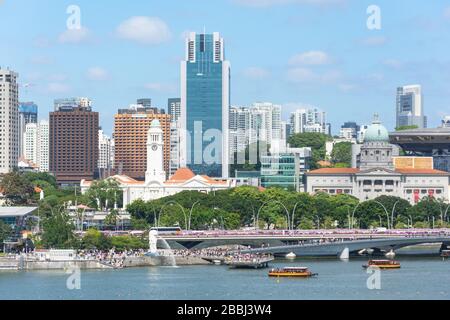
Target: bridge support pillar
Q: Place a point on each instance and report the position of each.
(345, 254)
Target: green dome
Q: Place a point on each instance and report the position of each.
(376, 132)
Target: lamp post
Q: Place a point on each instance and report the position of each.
(293, 215)
(387, 214)
(171, 203)
(190, 214)
(353, 214)
(279, 202)
(392, 213)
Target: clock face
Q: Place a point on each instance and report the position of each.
(154, 147)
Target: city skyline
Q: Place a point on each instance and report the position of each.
(344, 58)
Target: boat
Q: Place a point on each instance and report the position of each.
(291, 256)
(292, 272)
(383, 264)
(445, 253)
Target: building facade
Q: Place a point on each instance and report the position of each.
(73, 141)
(130, 137)
(377, 174)
(174, 108)
(9, 121)
(410, 109)
(28, 113)
(205, 104)
(309, 120)
(286, 170)
(43, 146)
(156, 185)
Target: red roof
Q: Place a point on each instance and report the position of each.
(181, 175)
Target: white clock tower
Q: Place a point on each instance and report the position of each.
(155, 154)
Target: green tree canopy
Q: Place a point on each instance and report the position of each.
(58, 231)
(342, 154)
(316, 141)
(16, 188)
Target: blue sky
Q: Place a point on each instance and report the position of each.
(290, 52)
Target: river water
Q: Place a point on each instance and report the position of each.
(419, 278)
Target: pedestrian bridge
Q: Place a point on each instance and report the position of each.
(331, 244)
(336, 248)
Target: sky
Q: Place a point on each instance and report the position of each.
(294, 53)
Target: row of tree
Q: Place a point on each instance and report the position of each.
(277, 208)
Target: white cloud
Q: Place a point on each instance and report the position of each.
(256, 73)
(144, 30)
(97, 74)
(41, 60)
(269, 3)
(393, 63)
(74, 36)
(304, 75)
(57, 87)
(159, 87)
(346, 87)
(310, 58)
(447, 13)
(374, 41)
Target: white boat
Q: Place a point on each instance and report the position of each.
(291, 256)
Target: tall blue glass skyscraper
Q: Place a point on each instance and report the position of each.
(205, 104)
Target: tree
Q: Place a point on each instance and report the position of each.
(94, 239)
(16, 189)
(316, 141)
(58, 231)
(5, 232)
(112, 219)
(105, 194)
(341, 155)
(403, 128)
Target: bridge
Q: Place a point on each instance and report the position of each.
(335, 249)
(306, 243)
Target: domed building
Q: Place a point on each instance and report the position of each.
(376, 151)
(376, 171)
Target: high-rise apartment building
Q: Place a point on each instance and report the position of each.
(105, 154)
(30, 141)
(309, 120)
(73, 141)
(174, 108)
(28, 113)
(9, 121)
(349, 130)
(130, 139)
(43, 146)
(205, 104)
(410, 109)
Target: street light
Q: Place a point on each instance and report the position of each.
(190, 214)
(279, 202)
(392, 214)
(385, 210)
(172, 203)
(293, 215)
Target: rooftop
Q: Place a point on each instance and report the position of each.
(7, 212)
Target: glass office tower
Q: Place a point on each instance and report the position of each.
(205, 104)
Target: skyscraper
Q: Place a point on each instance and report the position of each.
(73, 141)
(28, 113)
(205, 104)
(9, 121)
(174, 108)
(105, 154)
(309, 120)
(130, 137)
(410, 110)
(43, 146)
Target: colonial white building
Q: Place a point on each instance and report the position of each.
(376, 174)
(155, 185)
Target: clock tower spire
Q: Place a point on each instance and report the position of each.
(155, 155)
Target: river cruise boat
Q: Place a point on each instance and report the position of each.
(292, 272)
(445, 253)
(383, 264)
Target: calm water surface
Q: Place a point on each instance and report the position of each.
(418, 279)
